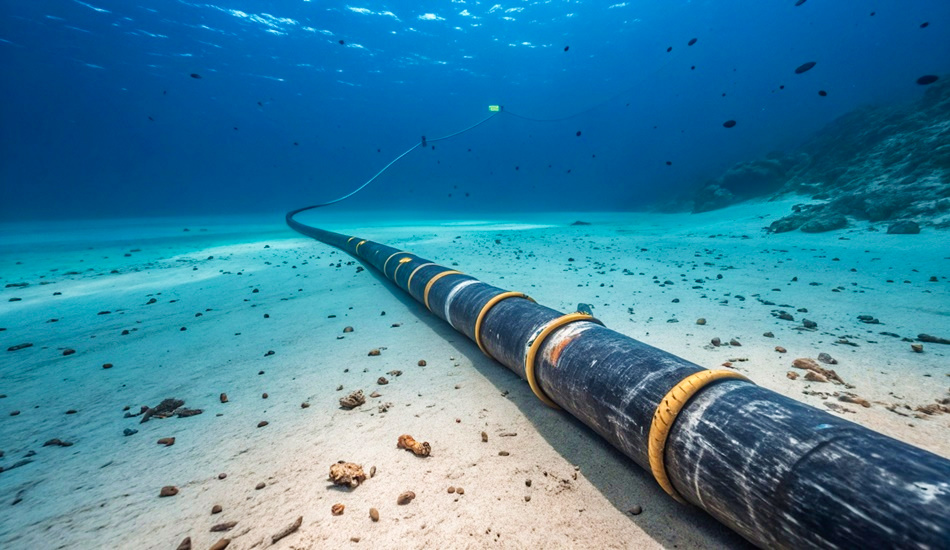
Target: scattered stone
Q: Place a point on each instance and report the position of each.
(339, 388)
(823, 375)
(716, 341)
(382, 381)
(375, 394)
(264, 395)
(185, 544)
(14, 413)
(791, 375)
(19, 347)
(304, 405)
(421, 363)
(372, 472)
(226, 526)
(269, 353)
(337, 509)
(216, 509)
(783, 315)
(222, 475)
(868, 320)
(484, 437)
(503, 453)
(168, 491)
(809, 324)
(383, 407)
(167, 441)
(260, 486)
(57, 443)
(395, 373)
(451, 489)
(780, 349)
(527, 498)
(374, 514)
(405, 498)
(635, 510)
(932, 339)
(373, 352)
(459, 491)
(701, 321)
(815, 376)
(107, 365)
(768, 335)
(347, 473)
(851, 398)
(410, 444)
(827, 359)
(347, 329)
(734, 342)
(262, 423)
(918, 348)
(224, 398)
(220, 545)
(290, 529)
(353, 400)
(129, 431)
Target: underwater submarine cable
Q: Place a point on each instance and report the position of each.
(780, 473)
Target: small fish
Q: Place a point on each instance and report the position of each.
(566, 48)
(669, 163)
(195, 75)
(924, 25)
(342, 43)
(668, 50)
(927, 79)
(799, 3)
(578, 134)
(822, 93)
(259, 104)
(691, 42)
(804, 67)
(729, 123)
(152, 119)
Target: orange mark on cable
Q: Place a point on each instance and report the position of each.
(556, 352)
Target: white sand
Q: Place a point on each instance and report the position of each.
(103, 490)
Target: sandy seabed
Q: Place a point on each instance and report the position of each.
(246, 307)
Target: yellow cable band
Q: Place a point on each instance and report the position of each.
(402, 261)
(350, 239)
(411, 275)
(390, 258)
(358, 246)
(425, 296)
(670, 406)
(481, 315)
(535, 346)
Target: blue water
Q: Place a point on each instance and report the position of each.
(100, 116)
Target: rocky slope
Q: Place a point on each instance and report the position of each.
(877, 164)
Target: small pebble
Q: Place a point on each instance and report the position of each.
(69, 351)
(451, 490)
(107, 365)
(373, 352)
(527, 482)
(503, 453)
(701, 321)
(221, 544)
(635, 510)
(260, 486)
(167, 441)
(372, 472)
(262, 423)
(459, 491)
(421, 363)
(780, 349)
(304, 405)
(347, 329)
(216, 509)
(222, 475)
(374, 514)
(337, 509)
(168, 491)
(382, 381)
(484, 437)
(918, 348)
(224, 398)
(264, 396)
(527, 498)
(405, 498)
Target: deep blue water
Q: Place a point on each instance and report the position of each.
(100, 116)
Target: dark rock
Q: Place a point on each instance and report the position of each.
(828, 222)
(19, 347)
(906, 227)
(827, 359)
(932, 339)
(164, 409)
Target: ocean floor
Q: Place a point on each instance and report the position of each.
(250, 309)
